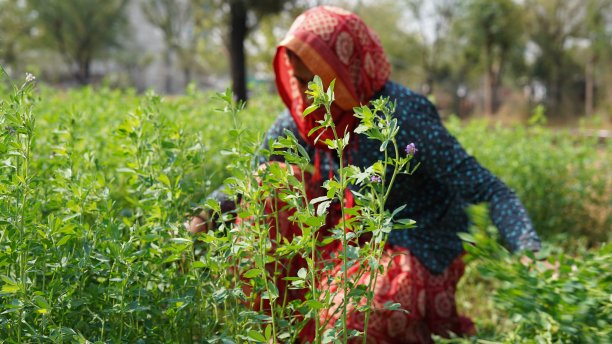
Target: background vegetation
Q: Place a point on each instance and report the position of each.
(98, 176)
(494, 57)
(96, 186)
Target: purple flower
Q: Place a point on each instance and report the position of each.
(411, 149)
(375, 179)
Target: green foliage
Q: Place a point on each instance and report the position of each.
(495, 26)
(552, 24)
(493, 29)
(95, 186)
(93, 199)
(92, 203)
(406, 51)
(14, 30)
(80, 30)
(569, 303)
(369, 215)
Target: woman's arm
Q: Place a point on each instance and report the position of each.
(443, 158)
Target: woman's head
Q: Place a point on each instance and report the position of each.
(302, 74)
(334, 44)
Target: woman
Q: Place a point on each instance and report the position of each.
(336, 44)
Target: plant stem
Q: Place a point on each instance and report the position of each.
(263, 238)
(378, 247)
(23, 165)
(340, 150)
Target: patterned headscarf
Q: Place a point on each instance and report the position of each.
(334, 44)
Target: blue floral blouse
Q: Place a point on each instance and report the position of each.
(436, 195)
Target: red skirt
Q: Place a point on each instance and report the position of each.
(428, 299)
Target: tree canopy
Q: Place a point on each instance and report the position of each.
(468, 54)
(80, 30)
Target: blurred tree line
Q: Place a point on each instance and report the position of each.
(471, 55)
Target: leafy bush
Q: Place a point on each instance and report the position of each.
(92, 246)
(95, 186)
(539, 304)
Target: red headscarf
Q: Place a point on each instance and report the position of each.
(334, 44)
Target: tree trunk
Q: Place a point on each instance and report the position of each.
(168, 67)
(488, 91)
(497, 80)
(238, 31)
(187, 76)
(489, 81)
(487, 95)
(556, 87)
(589, 86)
(83, 74)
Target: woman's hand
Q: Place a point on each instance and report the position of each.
(544, 265)
(198, 223)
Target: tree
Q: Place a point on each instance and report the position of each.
(599, 34)
(493, 28)
(80, 30)
(552, 25)
(402, 47)
(243, 16)
(14, 31)
(440, 15)
(173, 18)
(261, 44)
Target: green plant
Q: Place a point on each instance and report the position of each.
(96, 183)
(570, 304)
(17, 198)
(259, 246)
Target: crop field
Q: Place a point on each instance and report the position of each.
(96, 184)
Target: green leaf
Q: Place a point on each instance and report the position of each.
(40, 302)
(361, 129)
(181, 241)
(332, 144)
(9, 289)
(252, 273)
(318, 199)
(397, 210)
(404, 224)
(126, 170)
(384, 145)
(358, 291)
(256, 336)
(467, 237)
(352, 252)
(313, 130)
(220, 295)
(392, 306)
(310, 110)
(198, 264)
(164, 180)
(322, 207)
(330, 91)
(345, 140)
(313, 304)
(213, 204)
(328, 336)
(302, 272)
(273, 295)
(64, 240)
(268, 333)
